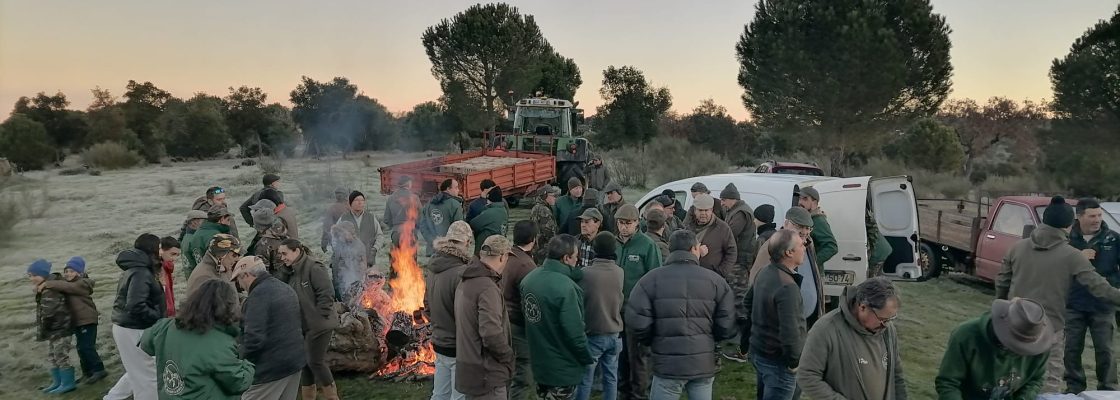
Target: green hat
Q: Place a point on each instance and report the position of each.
(799, 216)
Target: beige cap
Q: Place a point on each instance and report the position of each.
(244, 264)
(495, 245)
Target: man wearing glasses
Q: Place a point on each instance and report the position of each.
(852, 352)
(812, 287)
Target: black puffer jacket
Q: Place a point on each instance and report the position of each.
(682, 310)
(272, 332)
(139, 302)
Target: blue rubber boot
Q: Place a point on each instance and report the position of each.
(66, 376)
(56, 380)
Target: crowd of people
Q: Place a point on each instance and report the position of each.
(591, 294)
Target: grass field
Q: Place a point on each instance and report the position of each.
(98, 216)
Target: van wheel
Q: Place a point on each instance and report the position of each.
(929, 259)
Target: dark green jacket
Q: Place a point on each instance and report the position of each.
(312, 283)
(552, 302)
(637, 257)
(196, 247)
(491, 221)
(438, 214)
(197, 366)
(565, 206)
(824, 242)
(974, 365)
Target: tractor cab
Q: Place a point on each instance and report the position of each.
(545, 125)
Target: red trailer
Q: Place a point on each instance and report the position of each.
(518, 173)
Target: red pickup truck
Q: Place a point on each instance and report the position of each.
(973, 237)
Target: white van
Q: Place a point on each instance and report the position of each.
(845, 202)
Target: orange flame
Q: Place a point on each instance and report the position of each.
(408, 288)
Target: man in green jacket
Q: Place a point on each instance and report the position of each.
(859, 330)
(612, 202)
(492, 220)
(1000, 355)
(824, 242)
(443, 209)
(552, 303)
(570, 203)
(217, 221)
(637, 254)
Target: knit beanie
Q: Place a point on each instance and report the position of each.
(574, 182)
(269, 179)
(730, 192)
(590, 197)
(1058, 214)
(604, 245)
(263, 214)
(764, 213)
(40, 268)
(354, 195)
(77, 264)
(272, 195)
(699, 188)
(494, 195)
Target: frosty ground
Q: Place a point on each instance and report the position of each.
(98, 216)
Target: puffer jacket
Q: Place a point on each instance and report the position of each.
(52, 313)
(682, 311)
(139, 302)
(1042, 268)
(484, 347)
(1107, 262)
(79, 299)
(446, 269)
(273, 338)
(830, 366)
(312, 283)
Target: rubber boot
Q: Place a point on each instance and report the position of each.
(96, 376)
(308, 392)
(330, 392)
(56, 380)
(66, 376)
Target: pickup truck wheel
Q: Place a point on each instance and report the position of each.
(929, 259)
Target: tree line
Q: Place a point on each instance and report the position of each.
(848, 79)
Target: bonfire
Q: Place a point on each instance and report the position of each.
(403, 323)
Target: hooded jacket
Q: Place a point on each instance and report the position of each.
(190, 365)
(740, 218)
(722, 250)
(272, 338)
(519, 265)
(79, 299)
(484, 347)
(1107, 263)
(974, 366)
(682, 312)
(312, 283)
(844, 360)
(1042, 268)
(288, 215)
(491, 221)
(554, 324)
(439, 213)
(51, 312)
(139, 302)
(446, 269)
(195, 250)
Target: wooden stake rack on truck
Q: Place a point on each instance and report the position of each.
(518, 173)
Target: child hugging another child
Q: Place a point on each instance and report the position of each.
(53, 318)
(78, 289)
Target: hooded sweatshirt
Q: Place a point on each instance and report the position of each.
(446, 272)
(438, 214)
(842, 359)
(974, 366)
(1043, 266)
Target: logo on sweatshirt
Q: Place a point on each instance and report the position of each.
(172, 381)
(531, 308)
(436, 215)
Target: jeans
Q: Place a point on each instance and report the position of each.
(671, 389)
(604, 351)
(775, 381)
(444, 379)
(87, 350)
(1101, 327)
(522, 386)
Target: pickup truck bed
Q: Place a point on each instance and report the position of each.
(952, 223)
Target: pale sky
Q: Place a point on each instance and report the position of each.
(1000, 47)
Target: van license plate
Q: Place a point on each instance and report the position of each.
(839, 278)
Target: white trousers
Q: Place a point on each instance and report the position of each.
(139, 379)
(444, 381)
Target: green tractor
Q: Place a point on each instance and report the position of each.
(547, 125)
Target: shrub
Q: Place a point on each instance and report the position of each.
(674, 158)
(628, 168)
(25, 142)
(932, 146)
(927, 184)
(1023, 184)
(111, 155)
(271, 165)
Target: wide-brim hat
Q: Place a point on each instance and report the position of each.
(1021, 326)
